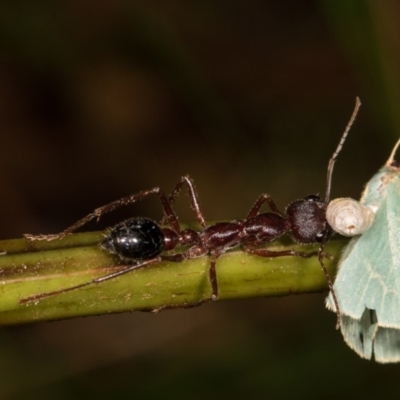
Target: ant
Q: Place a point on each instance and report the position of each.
(142, 242)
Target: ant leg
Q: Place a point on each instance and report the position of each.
(252, 249)
(194, 199)
(260, 201)
(104, 278)
(327, 276)
(98, 212)
(195, 252)
(175, 258)
(212, 276)
(269, 253)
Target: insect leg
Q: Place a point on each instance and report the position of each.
(327, 276)
(104, 278)
(98, 212)
(255, 209)
(212, 276)
(194, 199)
(199, 251)
(254, 249)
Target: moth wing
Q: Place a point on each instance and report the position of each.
(359, 334)
(389, 315)
(352, 284)
(387, 345)
(368, 284)
(359, 284)
(368, 339)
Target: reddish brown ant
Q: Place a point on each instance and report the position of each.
(142, 242)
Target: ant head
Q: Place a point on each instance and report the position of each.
(307, 219)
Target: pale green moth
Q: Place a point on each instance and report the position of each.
(367, 285)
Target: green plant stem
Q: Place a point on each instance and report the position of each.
(29, 268)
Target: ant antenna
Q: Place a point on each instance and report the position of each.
(338, 149)
(328, 230)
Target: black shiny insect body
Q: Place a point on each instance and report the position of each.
(136, 239)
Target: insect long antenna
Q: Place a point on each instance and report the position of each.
(392, 154)
(328, 230)
(338, 149)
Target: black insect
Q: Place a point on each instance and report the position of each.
(142, 242)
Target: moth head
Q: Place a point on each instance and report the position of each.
(349, 217)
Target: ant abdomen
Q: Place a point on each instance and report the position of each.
(136, 238)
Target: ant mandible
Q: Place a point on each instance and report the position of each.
(142, 242)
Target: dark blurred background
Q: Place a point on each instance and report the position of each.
(101, 99)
